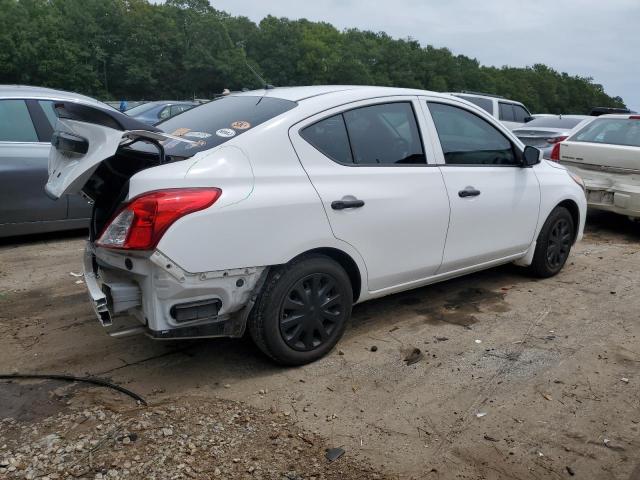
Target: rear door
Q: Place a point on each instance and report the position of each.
(379, 185)
(494, 201)
(23, 168)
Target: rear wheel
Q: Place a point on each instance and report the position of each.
(302, 310)
(554, 243)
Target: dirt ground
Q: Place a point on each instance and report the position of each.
(519, 378)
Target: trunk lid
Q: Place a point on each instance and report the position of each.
(85, 136)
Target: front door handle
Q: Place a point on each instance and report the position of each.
(342, 204)
(468, 192)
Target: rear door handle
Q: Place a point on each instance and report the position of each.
(468, 192)
(342, 204)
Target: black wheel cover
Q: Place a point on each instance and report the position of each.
(310, 312)
(559, 243)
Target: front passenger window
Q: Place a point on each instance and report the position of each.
(467, 139)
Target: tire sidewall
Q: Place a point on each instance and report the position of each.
(541, 263)
(273, 301)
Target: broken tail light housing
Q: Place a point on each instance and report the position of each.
(141, 223)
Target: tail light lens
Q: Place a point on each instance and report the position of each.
(140, 224)
(555, 152)
(559, 139)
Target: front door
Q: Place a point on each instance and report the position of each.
(380, 187)
(494, 201)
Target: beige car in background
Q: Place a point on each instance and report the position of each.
(606, 154)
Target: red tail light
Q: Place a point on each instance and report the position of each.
(140, 224)
(555, 152)
(634, 117)
(559, 139)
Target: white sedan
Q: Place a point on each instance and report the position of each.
(277, 210)
(606, 154)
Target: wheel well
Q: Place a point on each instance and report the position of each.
(345, 262)
(575, 215)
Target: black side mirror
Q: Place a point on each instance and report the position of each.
(528, 119)
(530, 156)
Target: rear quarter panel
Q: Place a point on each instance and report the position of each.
(268, 213)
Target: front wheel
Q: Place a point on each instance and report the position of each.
(554, 243)
(302, 310)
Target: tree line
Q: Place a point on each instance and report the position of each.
(134, 49)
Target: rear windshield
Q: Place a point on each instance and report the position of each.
(218, 121)
(140, 109)
(616, 131)
(554, 122)
(483, 103)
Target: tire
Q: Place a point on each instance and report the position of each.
(295, 319)
(554, 243)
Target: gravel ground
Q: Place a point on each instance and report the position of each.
(181, 438)
(515, 378)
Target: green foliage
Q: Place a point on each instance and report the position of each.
(186, 48)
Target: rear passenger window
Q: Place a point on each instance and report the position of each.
(520, 114)
(467, 139)
(330, 137)
(385, 134)
(506, 112)
(15, 122)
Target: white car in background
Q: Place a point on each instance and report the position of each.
(277, 210)
(545, 131)
(606, 154)
(511, 113)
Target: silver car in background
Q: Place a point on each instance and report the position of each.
(544, 131)
(26, 125)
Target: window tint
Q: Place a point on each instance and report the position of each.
(520, 114)
(484, 103)
(467, 139)
(15, 122)
(610, 130)
(330, 137)
(47, 107)
(384, 134)
(506, 112)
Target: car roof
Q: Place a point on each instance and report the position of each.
(170, 102)
(298, 94)
(27, 91)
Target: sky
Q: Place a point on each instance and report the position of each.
(590, 38)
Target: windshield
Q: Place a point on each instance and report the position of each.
(616, 131)
(218, 121)
(554, 122)
(140, 109)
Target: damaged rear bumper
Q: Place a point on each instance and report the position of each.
(136, 293)
(610, 189)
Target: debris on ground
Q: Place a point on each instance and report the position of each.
(481, 414)
(570, 471)
(414, 356)
(374, 348)
(334, 453)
